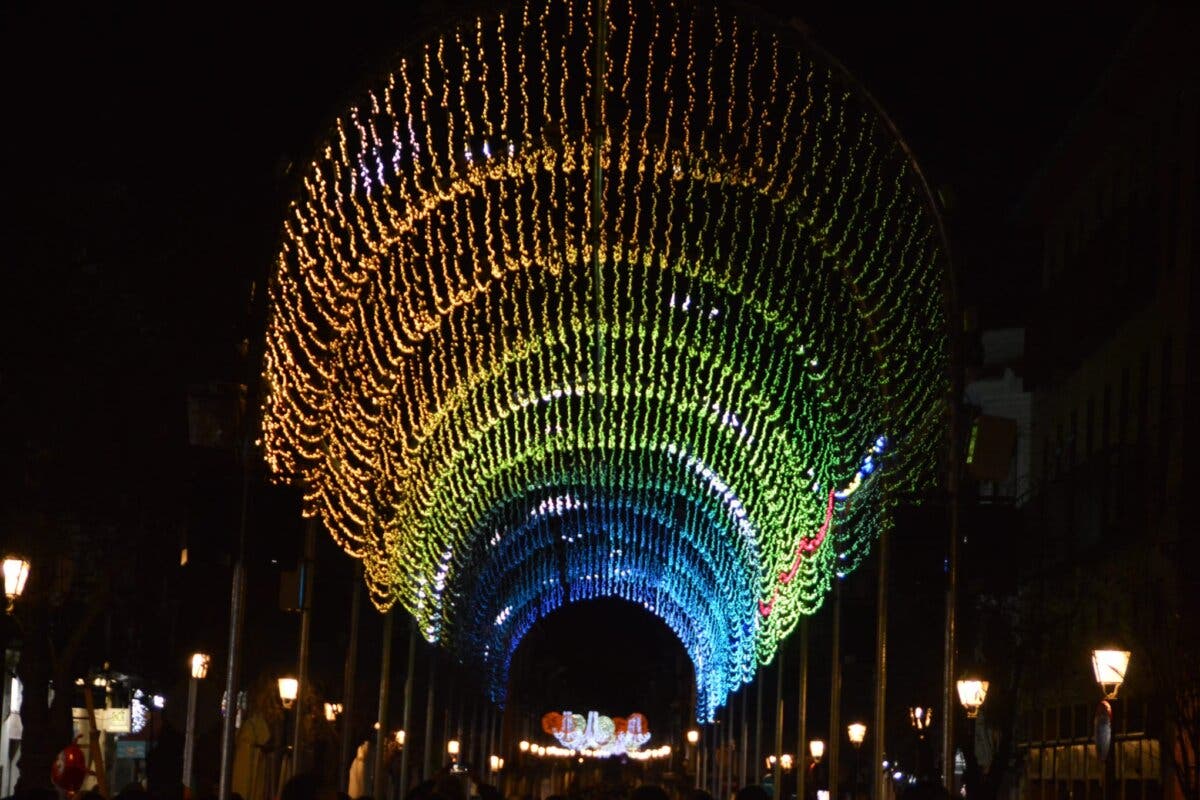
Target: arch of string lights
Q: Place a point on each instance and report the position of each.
(650, 309)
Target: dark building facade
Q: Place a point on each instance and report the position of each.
(1111, 552)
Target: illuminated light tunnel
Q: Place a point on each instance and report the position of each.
(655, 314)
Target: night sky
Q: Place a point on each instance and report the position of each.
(146, 170)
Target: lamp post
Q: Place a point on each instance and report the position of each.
(16, 572)
(452, 748)
(289, 688)
(693, 739)
(856, 732)
(200, 662)
(971, 693)
(1109, 667)
(816, 752)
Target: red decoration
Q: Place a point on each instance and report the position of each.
(69, 769)
(552, 723)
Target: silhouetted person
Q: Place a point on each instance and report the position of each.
(752, 792)
(651, 791)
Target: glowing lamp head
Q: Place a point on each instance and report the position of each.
(523, 746)
(452, 747)
(770, 760)
(785, 761)
(920, 718)
(332, 710)
(399, 736)
(200, 662)
(288, 689)
(16, 572)
(693, 736)
(972, 693)
(1108, 665)
(494, 763)
(816, 749)
(857, 732)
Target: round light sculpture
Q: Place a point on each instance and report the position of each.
(972, 693)
(200, 662)
(1109, 667)
(288, 689)
(816, 749)
(857, 732)
(542, 333)
(16, 572)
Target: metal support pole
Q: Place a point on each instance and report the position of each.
(881, 614)
(406, 719)
(233, 666)
(307, 567)
(722, 750)
(777, 777)
(378, 784)
(348, 680)
(428, 747)
(949, 704)
(744, 775)
(835, 694)
(758, 724)
(189, 736)
(801, 761)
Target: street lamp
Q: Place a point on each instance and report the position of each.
(400, 736)
(16, 572)
(921, 719)
(785, 761)
(972, 693)
(693, 739)
(200, 663)
(857, 732)
(816, 749)
(332, 711)
(1108, 665)
(452, 749)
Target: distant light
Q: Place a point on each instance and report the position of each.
(157, 701)
(200, 662)
(1108, 665)
(452, 747)
(288, 689)
(400, 738)
(16, 572)
(693, 736)
(971, 693)
(523, 746)
(857, 732)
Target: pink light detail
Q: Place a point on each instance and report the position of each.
(806, 547)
